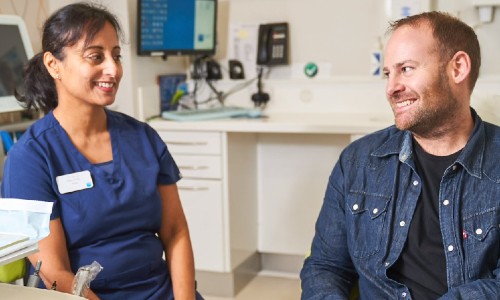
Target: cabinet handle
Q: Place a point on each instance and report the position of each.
(193, 168)
(193, 188)
(180, 143)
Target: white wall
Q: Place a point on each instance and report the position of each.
(125, 99)
(34, 14)
(339, 34)
(322, 31)
(342, 33)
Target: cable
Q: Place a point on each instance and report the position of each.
(231, 91)
(240, 86)
(260, 98)
(218, 94)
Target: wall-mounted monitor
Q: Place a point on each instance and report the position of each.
(176, 27)
(15, 51)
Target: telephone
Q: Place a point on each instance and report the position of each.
(272, 47)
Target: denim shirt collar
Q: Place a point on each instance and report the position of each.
(471, 158)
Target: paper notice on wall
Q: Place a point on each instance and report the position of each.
(243, 46)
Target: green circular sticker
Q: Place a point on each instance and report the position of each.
(311, 69)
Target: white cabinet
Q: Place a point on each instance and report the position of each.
(292, 179)
(218, 199)
(271, 174)
(193, 142)
(199, 166)
(202, 203)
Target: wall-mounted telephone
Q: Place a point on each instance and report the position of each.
(272, 47)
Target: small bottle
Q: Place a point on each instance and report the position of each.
(376, 59)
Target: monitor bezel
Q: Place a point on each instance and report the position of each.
(175, 52)
(13, 105)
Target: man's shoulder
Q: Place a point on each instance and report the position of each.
(492, 130)
(370, 142)
(492, 138)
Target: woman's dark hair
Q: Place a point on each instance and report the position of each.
(64, 28)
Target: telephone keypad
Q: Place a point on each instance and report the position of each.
(278, 51)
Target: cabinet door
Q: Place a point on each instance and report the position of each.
(199, 166)
(192, 142)
(202, 203)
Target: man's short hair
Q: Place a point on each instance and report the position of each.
(452, 36)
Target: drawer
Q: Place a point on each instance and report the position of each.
(199, 166)
(202, 204)
(192, 142)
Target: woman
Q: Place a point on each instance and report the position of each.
(111, 178)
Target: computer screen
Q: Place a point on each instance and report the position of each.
(176, 27)
(15, 51)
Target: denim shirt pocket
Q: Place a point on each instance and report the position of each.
(365, 218)
(481, 243)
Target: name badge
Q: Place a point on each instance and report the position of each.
(74, 182)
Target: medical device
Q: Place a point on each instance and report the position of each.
(15, 51)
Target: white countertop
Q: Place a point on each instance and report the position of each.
(330, 123)
(17, 292)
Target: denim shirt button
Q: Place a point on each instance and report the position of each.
(403, 294)
(479, 231)
(446, 202)
(386, 264)
(415, 183)
(402, 223)
(355, 207)
(450, 248)
(375, 211)
(454, 167)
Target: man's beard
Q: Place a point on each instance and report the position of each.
(438, 111)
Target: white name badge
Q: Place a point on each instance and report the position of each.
(74, 182)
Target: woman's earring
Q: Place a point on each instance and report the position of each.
(58, 76)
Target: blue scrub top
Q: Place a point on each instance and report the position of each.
(115, 222)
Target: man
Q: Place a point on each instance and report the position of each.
(413, 211)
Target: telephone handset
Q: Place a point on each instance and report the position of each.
(272, 48)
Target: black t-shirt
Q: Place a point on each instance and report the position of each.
(422, 264)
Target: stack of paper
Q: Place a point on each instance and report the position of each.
(13, 247)
(9, 240)
(22, 224)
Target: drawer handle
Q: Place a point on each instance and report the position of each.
(193, 188)
(179, 143)
(193, 168)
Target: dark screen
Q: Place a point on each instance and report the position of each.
(12, 59)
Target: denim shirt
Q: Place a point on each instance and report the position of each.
(368, 207)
